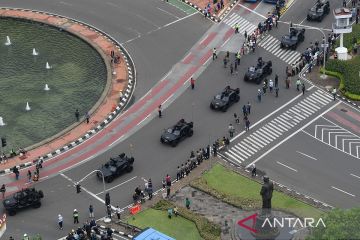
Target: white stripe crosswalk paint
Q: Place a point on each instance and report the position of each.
(272, 45)
(277, 127)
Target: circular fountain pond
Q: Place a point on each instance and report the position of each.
(31, 56)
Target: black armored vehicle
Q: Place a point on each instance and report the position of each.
(115, 167)
(258, 73)
(318, 11)
(225, 99)
(292, 39)
(176, 133)
(28, 197)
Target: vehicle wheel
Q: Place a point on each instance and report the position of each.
(41, 194)
(308, 17)
(174, 143)
(281, 45)
(224, 108)
(237, 98)
(37, 205)
(109, 179)
(245, 79)
(12, 212)
(293, 47)
(161, 140)
(211, 106)
(258, 81)
(129, 169)
(270, 71)
(191, 132)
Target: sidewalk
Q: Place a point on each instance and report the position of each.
(108, 101)
(215, 12)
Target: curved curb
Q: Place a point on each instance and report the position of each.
(128, 93)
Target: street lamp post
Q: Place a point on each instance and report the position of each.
(323, 75)
(103, 180)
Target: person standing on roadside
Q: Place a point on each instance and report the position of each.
(298, 83)
(214, 54)
(187, 203)
(248, 108)
(231, 130)
(259, 95)
(76, 216)
(91, 211)
(276, 80)
(333, 92)
(303, 88)
(3, 190)
(160, 111)
(277, 91)
(118, 212)
(247, 125)
(192, 83)
(150, 189)
(29, 176)
(60, 221)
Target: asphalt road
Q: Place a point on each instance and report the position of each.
(317, 167)
(153, 160)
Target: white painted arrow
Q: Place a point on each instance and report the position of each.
(330, 129)
(357, 140)
(321, 126)
(340, 135)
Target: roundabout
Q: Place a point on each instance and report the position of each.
(46, 75)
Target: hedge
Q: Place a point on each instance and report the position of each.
(207, 229)
(349, 76)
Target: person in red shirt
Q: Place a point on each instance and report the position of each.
(192, 82)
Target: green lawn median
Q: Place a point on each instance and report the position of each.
(243, 192)
(176, 227)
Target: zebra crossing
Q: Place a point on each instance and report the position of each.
(244, 25)
(269, 42)
(280, 125)
(272, 45)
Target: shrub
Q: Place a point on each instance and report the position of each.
(207, 229)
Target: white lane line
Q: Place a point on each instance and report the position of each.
(116, 185)
(355, 175)
(169, 13)
(180, 19)
(306, 155)
(293, 169)
(340, 190)
(90, 193)
(251, 10)
(293, 134)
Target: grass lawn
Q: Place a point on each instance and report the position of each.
(245, 192)
(176, 227)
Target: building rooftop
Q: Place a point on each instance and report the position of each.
(342, 12)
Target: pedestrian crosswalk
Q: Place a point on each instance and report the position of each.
(268, 42)
(244, 25)
(280, 125)
(272, 45)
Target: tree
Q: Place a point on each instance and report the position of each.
(340, 224)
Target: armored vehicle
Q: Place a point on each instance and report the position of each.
(176, 133)
(28, 197)
(225, 99)
(115, 167)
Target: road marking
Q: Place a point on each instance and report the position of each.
(250, 10)
(293, 134)
(355, 175)
(306, 155)
(266, 117)
(116, 185)
(166, 25)
(169, 13)
(286, 166)
(350, 194)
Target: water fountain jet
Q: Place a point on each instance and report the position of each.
(48, 65)
(46, 87)
(2, 122)
(27, 108)
(35, 53)
(8, 41)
